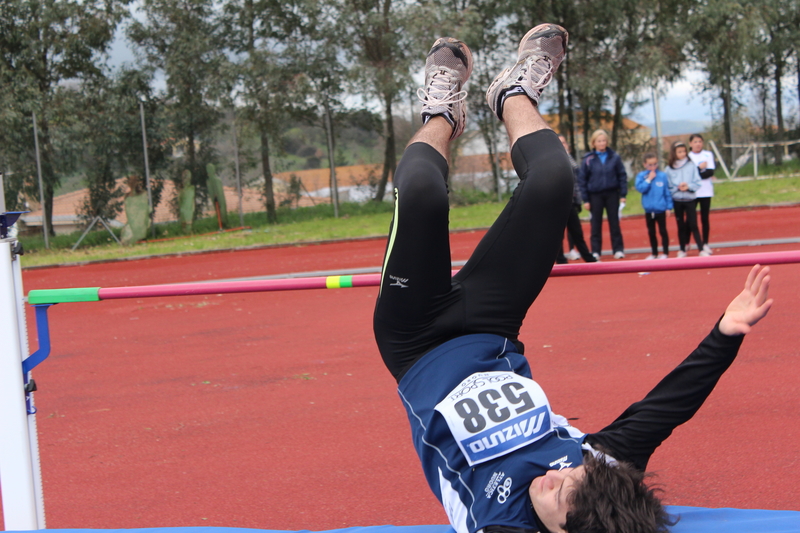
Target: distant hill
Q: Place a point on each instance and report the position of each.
(679, 127)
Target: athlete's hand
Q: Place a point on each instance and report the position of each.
(587, 205)
(750, 306)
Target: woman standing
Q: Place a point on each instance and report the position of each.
(604, 185)
(705, 164)
(684, 181)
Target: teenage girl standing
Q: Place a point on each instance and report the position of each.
(705, 164)
(684, 182)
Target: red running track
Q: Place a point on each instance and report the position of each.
(273, 410)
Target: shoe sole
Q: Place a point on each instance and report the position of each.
(459, 49)
(554, 29)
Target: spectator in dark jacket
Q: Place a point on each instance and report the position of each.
(574, 229)
(604, 186)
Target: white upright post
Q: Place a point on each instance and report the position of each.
(33, 434)
(16, 464)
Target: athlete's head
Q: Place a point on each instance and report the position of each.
(598, 498)
(551, 495)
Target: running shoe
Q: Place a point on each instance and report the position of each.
(704, 253)
(619, 255)
(707, 248)
(573, 255)
(447, 69)
(681, 254)
(540, 53)
(649, 257)
(662, 256)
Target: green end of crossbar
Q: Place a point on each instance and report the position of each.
(58, 296)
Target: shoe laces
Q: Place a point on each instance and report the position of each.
(440, 91)
(541, 67)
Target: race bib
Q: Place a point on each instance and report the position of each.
(493, 413)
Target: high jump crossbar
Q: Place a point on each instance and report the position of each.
(93, 294)
(23, 505)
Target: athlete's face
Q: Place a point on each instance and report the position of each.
(549, 494)
(696, 144)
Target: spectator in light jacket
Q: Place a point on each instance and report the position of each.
(684, 181)
(657, 203)
(604, 185)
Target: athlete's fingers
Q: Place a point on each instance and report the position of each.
(762, 289)
(751, 277)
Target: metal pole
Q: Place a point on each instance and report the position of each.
(657, 109)
(33, 434)
(238, 174)
(147, 171)
(41, 186)
(16, 464)
(755, 160)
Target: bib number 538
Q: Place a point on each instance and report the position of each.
(494, 404)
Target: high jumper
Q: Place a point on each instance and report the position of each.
(493, 452)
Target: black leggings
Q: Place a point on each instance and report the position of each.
(420, 305)
(686, 217)
(705, 208)
(661, 219)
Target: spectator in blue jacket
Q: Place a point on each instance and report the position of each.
(604, 185)
(657, 203)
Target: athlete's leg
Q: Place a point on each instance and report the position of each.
(512, 262)
(415, 282)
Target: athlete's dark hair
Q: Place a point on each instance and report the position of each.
(693, 136)
(649, 155)
(613, 498)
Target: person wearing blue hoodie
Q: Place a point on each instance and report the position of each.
(604, 186)
(657, 203)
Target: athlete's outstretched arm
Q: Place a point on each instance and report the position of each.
(635, 435)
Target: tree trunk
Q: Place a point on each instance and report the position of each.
(328, 120)
(390, 154)
(727, 119)
(562, 107)
(570, 109)
(269, 194)
(619, 101)
(48, 172)
(779, 107)
(586, 126)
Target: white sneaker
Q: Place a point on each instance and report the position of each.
(707, 248)
(540, 53)
(681, 254)
(596, 256)
(573, 255)
(649, 257)
(662, 256)
(447, 69)
(704, 253)
(619, 255)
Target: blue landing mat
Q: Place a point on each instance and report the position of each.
(693, 520)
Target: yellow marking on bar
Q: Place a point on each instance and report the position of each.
(333, 282)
